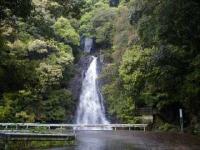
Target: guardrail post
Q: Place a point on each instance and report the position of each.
(74, 132)
(6, 145)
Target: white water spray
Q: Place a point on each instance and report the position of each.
(91, 109)
(88, 45)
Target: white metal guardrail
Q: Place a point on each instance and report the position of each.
(74, 126)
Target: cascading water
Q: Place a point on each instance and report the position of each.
(91, 109)
(88, 45)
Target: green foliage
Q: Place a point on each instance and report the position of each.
(168, 127)
(20, 8)
(73, 8)
(134, 68)
(24, 117)
(63, 57)
(55, 8)
(37, 48)
(103, 25)
(35, 62)
(154, 57)
(49, 75)
(65, 31)
(86, 28)
(124, 35)
(6, 109)
(191, 88)
(119, 106)
(98, 23)
(58, 106)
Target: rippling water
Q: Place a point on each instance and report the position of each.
(128, 140)
(125, 140)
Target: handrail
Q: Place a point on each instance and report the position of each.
(27, 125)
(72, 125)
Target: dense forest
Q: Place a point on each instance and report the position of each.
(150, 50)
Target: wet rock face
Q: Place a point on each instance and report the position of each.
(80, 69)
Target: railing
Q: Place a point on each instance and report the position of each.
(73, 126)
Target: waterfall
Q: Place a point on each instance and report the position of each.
(88, 45)
(91, 109)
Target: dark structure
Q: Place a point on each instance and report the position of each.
(114, 3)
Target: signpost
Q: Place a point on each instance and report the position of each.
(181, 118)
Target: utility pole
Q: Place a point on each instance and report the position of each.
(181, 119)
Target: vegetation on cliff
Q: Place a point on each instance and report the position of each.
(36, 61)
(150, 50)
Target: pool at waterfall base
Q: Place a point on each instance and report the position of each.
(133, 140)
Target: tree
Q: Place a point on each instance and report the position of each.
(65, 31)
